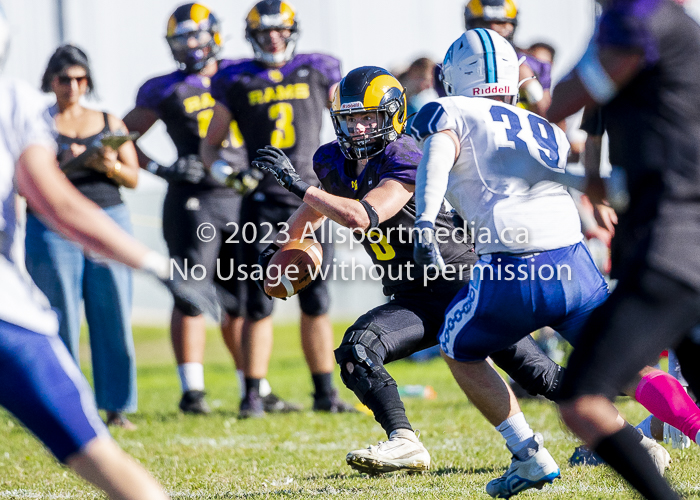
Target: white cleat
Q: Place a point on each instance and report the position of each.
(403, 451)
(658, 454)
(534, 472)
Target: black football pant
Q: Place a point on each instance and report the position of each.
(410, 322)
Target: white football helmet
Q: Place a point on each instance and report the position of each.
(481, 63)
(4, 37)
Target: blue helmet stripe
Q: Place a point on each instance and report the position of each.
(489, 55)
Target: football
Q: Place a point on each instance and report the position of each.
(291, 269)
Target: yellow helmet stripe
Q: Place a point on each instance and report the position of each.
(377, 88)
(199, 13)
(287, 13)
(253, 19)
(172, 23)
(476, 8)
(511, 9)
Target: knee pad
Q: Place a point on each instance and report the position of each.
(368, 373)
(314, 301)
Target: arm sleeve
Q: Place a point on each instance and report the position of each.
(433, 173)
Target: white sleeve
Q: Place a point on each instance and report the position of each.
(432, 175)
(33, 122)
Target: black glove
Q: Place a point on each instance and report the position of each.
(264, 261)
(426, 250)
(188, 169)
(245, 181)
(274, 160)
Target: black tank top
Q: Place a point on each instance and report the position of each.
(94, 185)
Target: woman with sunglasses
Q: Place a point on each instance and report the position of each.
(61, 269)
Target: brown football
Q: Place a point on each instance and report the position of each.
(295, 262)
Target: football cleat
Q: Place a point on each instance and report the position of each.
(252, 406)
(274, 404)
(584, 456)
(403, 451)
(534, 472)
(193, 402)
(658, 454)
(332, 403)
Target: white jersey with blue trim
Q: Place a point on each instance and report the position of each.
(503, 212)
(24, 121)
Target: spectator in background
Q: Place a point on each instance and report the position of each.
(418, 80)
(62, 269)
(542, 51)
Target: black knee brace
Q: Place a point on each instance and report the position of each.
(359, 348)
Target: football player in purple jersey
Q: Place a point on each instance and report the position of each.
(277, 98)
(182, 100)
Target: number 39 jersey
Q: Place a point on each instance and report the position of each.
(506, 216)
(391, 245)
(283, 107)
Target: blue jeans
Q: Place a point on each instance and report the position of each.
(67, 277)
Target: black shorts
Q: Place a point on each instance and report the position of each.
(267, 217)
(648, 312)
(190, 218)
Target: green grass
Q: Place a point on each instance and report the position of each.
(303, 455)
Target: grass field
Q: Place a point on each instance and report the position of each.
(303, 455)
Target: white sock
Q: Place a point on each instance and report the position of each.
(191, 376)
(241, 382)
(516, 431)
(645, 427)
(265, 388)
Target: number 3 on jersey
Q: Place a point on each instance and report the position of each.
(284, 135)
(541, 130)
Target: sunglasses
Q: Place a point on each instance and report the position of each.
(67, 80)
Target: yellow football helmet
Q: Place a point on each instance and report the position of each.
(193, 20)
(368, 89)
(268, 15)
(498, 11)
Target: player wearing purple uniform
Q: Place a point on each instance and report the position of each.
(373, 162)
(642, 69)
(183, 101)
(276, 98)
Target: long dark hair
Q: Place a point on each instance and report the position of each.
(64, 57)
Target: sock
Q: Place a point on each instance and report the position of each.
(645, 427)
(388, 409)
(252, 384)
(191, 376)
(265, 388)
(623, 452)
(323, 384)
(517, 433)
(666, 398)
(241, 382)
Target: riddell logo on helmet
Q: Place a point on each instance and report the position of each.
(492, 90)
(351, 105)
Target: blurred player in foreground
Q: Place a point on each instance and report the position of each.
(368, 178)
(277, 98)
(642, 69)
(44, 388)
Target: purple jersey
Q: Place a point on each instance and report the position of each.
(541, 69)
(391, 245)
(279, 106)
(183, 101)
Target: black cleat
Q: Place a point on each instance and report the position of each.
(274, 404)
(332, 403)
(252, 406)
(193, 402)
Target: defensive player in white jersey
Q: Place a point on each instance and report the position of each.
(42, 386)
(520, 235)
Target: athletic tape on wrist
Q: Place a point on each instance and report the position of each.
(371, 213)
